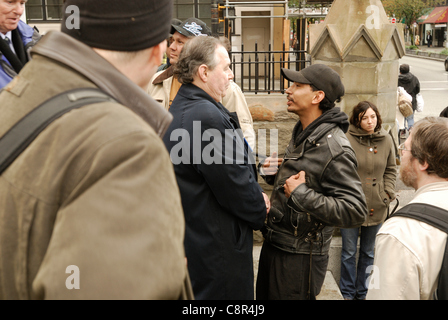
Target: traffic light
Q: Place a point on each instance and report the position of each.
(221, 15)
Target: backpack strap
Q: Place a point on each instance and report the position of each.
(19, 137)
(442, 287)
(432, 215)
(438, 218)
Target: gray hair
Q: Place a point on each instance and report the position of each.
(196, 52)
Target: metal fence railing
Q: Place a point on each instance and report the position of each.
(259, 71)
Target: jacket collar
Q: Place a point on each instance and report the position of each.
(68, 51)
(193, 92)
(319, 127)
(364, 137)
(168, 73)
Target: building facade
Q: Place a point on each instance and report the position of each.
(46, 15)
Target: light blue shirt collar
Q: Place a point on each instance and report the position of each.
(9, 35)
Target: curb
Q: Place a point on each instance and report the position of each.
(425, 55)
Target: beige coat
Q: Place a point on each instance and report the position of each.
(234, 101)
(409, 253)
(377, 170)
(95, 190)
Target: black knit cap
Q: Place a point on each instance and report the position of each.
(120, 25)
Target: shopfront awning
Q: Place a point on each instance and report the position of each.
(425, 15)
(438, 15)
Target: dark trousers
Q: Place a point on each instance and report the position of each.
(286, 276)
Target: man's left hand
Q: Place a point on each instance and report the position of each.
(293, 182)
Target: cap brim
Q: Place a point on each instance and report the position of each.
(295, 76)
(182, 31)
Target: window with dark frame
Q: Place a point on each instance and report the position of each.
(200, 9)
(44, 10)
(51, 10)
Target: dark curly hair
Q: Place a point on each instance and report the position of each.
(360, 110)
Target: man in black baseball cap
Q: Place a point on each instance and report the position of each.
(163, 87)
(321, 77)
(316, 188)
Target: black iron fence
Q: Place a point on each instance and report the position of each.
(259, 71)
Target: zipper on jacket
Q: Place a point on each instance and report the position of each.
(296, 227)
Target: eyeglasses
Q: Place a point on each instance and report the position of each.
(402, 148)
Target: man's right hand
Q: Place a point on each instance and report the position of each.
(271, 164)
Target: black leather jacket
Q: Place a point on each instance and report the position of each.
(332, 195)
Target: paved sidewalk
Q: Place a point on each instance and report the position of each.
(432, 53)
(431, 49)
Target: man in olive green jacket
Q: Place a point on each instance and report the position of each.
(91, 209)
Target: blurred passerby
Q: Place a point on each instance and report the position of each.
(411, 84)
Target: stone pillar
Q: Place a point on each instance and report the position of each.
(358, 41)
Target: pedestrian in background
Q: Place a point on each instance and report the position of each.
(411, 84)
(409, 252)
(375, 152)
(428, 39)
(315, 189)
(167, 64)
(96, 188)
(222, 200)
(16, 40)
